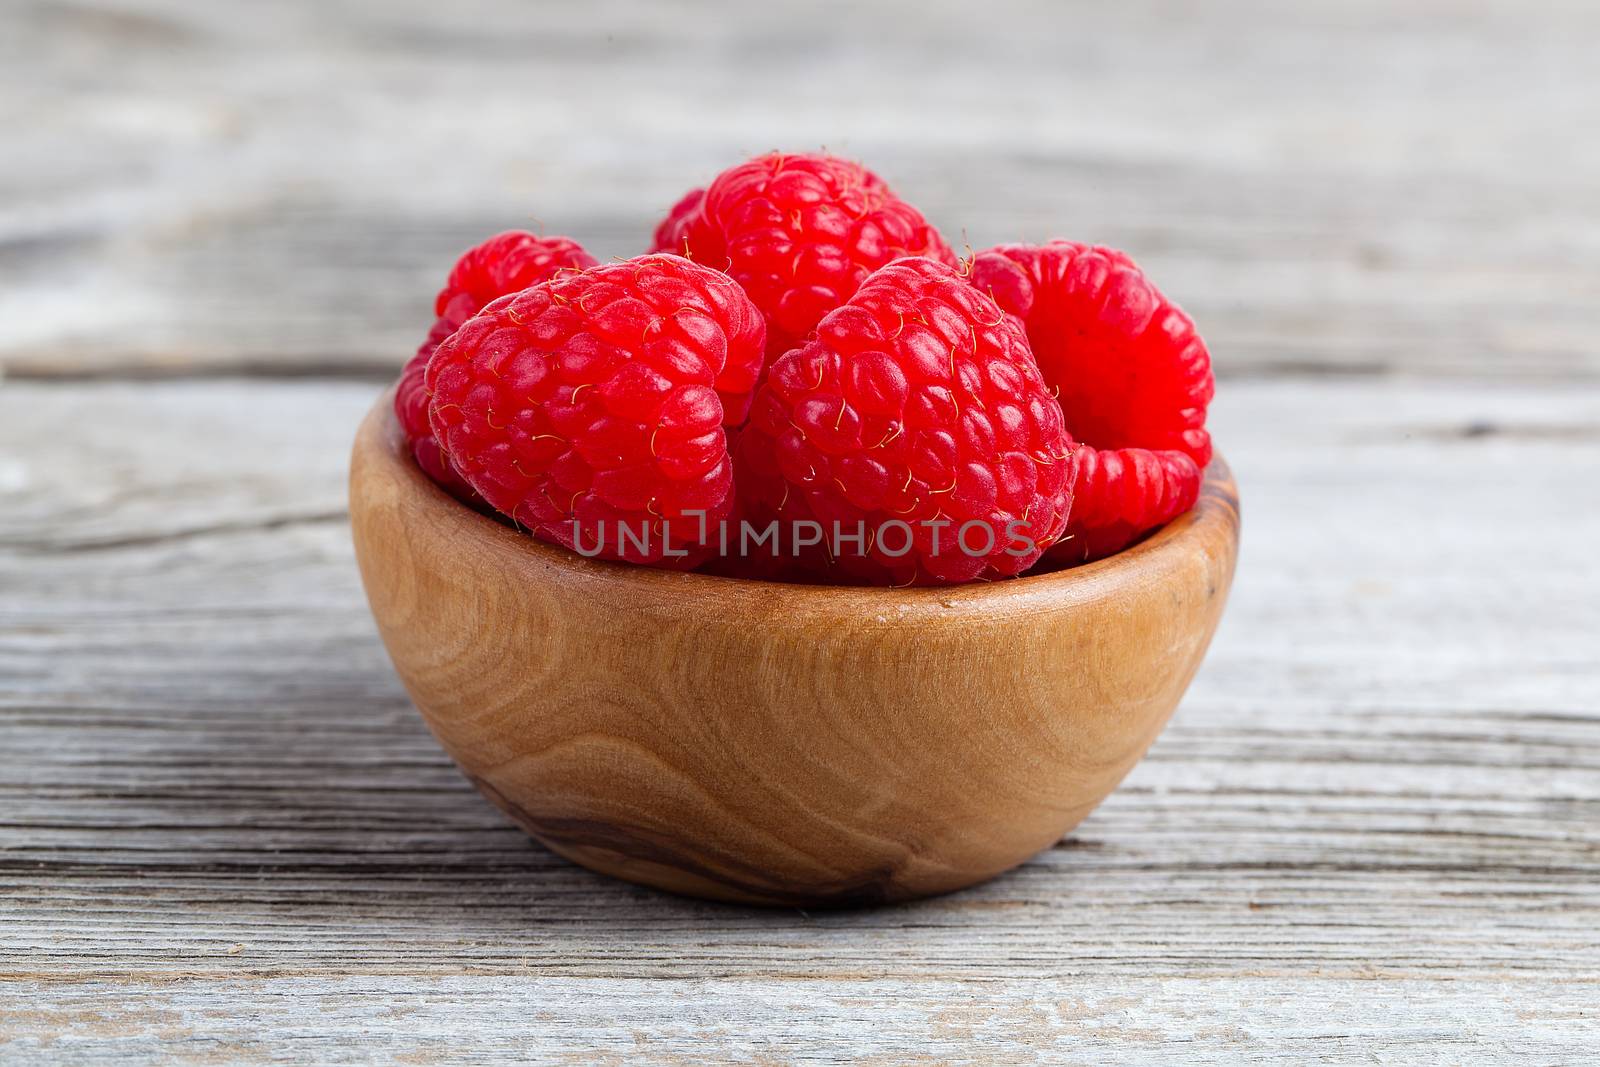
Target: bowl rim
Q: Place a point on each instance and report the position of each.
(1213, 521)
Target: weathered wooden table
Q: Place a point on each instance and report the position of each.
(1372, 833)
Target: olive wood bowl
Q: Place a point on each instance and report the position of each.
(771, 743)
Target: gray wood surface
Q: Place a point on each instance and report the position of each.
(1372, 833)
(1350, 186)
(1373, 826)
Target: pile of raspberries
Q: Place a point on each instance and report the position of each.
(801, 381)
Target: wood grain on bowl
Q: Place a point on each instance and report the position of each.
(780, 744)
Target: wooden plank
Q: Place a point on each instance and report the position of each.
(1330, 187)
(527, 1019)
(1373, 829)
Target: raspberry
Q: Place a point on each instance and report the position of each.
(1133, 378)
(589, 408)
(505, 263)
(669, 235)
(800, 233)
(411, 408)
(918, 403)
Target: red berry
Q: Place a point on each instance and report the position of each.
(505, 263)
(917, 403)
(1133, 378)
(670, 234)
(411, 408)
(590, 408)
(800, 233)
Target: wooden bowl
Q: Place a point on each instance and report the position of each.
(780, 744)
